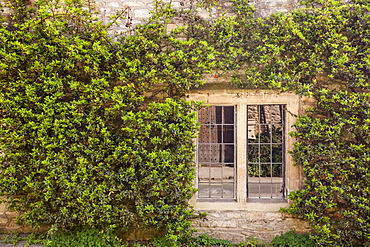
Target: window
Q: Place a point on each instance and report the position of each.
(265, 151)
(216, 152)
(242, 154)
(217, 162)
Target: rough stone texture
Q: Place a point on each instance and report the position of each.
(8, 222)
(7, 219)
(267, 7)
(237, 226)
(136, 11)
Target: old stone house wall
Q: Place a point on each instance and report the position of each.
(238, 226)
(138, 10)
(235, 221)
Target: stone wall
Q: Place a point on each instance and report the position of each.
(6, 218)
(238, 226)
(267, 7)
(135, 11)
(8, 222)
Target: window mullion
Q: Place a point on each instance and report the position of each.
(241, 151)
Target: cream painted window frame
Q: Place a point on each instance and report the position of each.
(240, 99)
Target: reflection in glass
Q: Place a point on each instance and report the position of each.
(277, 153)
(229, 114)
(276, 133)
(265, 170)
(266, 189)
(229, 152)
(277, 170)
(228, 133)
(216, 152)
(265, 149)
(216, 181)
(253, 170)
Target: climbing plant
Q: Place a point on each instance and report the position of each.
(94, 130)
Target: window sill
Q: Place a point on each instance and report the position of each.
(263, 205)
(267, 200)
(216, 200)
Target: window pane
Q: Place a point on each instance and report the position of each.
(228, 180)
(260, 153)
(228, 173)
(228, 190)
(253, 190)
(277, 190)
(265, 153)
(253, 170)
(277, 153)
(216, 181)
(216, 173)
(209, 153)
(228, 131)
(264, 135)
(276, 133)
(211, 190)
(277, 170)
(253, 133)
(216, 152)
(219, 134)
(252, 130)
(204, 134)
(219, 114)
(229, 114)
(252, 112)
(203, 153)
(206, 115)
(229, 154)
(265, 170)
(265, 189)
(265, 161)
(273, 113)
(203, 173)
(203, 190)
(253, 153)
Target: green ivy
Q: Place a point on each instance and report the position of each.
(293, 239)
(94, 130)
(86, 237)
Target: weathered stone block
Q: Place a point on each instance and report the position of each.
(106, 10)
(4, 221)
(134, 4)
(3, 208)
(237, 225)
(114, 4)
(142, 13)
